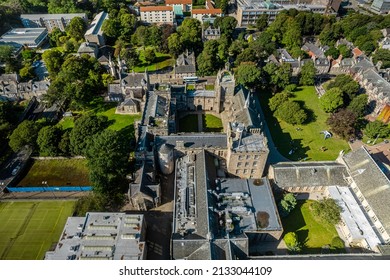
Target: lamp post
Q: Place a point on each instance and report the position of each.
(45, 183)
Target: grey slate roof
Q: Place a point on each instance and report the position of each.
(310, 174)
(372, 182)
(194, 140)
(318, 52)
(362, 65)
(185, 63)
(248, 115)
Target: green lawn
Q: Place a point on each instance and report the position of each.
(29, 229)
(312, 233)
(57, 172)
(120, 122)
(189, 123)
(308, 141)
(211, 123)
(162, 61)
(117, 122)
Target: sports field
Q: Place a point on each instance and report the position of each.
(29, 229)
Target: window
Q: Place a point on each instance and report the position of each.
(239, 164)
(255, 163)
(248, 157)
(241, 157)
(245, 171)
(237, 171)
(246, 164)
(253, 171)
(257, 157)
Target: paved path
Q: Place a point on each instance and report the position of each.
(274, 155)
(200, 122)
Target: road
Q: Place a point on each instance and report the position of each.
(14, 164)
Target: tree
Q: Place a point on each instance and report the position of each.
(327, 210)
(130, 57)
(83, 131)
(77, 83)
(292, 243)
(227, 24)
(64, 144)
(111, 27)
(53, 60)
(25, 134)
(358, 105)
(61, 6)
(333, 52)
(308, 73)
(382, 55)
(6, 57)
(292, 36)
(344, 51)
(141, 36)
(287, 204)
(262, 22)
(332, 100)
(6, 53)
(278, 76)
(248, 75)
(55, 37)
(190, 33)
(291, 112)
(347, 85)
(208, 61)
(149, 56)
(48, 140)
(263, 45)
(108, 154)
(175, 45)
(166, 31)
(27, 72)
(376, 129)
(343, 123)
(76, 28)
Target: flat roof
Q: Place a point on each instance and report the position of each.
(206, 11)
(96, 25)
(195, 140)
(51, 16)
(173, 2)
(155, 8)
(354, 217)
(101, 235)
(23, 36)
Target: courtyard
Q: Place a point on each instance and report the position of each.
(313, 234)
(200, 123)
(306, 141)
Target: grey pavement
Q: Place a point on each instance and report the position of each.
(274, 155)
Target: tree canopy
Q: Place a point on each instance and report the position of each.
(343, 123)
(332, 100)
(376, 129)
(307, 75)
(108, 154)
(248, 75)
(291, 112)
(83, 131)
(26, 133)
(48, 140)
(327, 210)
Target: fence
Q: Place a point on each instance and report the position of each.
(51, 189)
